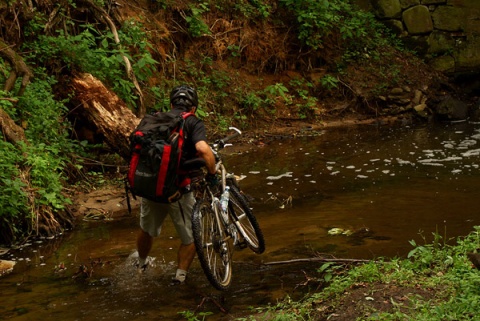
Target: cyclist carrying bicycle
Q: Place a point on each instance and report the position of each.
(152, 215)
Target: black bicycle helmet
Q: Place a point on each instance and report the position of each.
(184, 95)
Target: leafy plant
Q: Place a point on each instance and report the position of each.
(253, 9)
(329, 82)
(308, 108)
(273, 92)
(196, 26)
(252, 102)
(235, 50)
(191, 316)
(316, 18)
(133, 36)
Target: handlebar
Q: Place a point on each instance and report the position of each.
(198, 162)
(223, 142)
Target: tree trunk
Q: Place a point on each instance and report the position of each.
(105, 112)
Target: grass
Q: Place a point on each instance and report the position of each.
(435, 282)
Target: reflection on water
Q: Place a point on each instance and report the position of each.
(386, 184)
(382, 185)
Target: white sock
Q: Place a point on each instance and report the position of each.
(181, 275)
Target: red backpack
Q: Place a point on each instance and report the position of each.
(156, 154)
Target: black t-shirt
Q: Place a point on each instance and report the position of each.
(194, 133)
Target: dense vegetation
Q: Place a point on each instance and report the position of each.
(261, 58)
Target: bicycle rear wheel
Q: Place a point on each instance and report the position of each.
(212, 245)
(245, 221)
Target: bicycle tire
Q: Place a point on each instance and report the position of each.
(246, 223)
(214, 251)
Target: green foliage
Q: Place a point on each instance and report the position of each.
(273, 92)
(329, 82)
(6, 103)
(191, 316)
(364, 38)
(372, 38)
(99, 3)
(308, 104)
(45, 166)
(316, 18)
(95, 52)
(235, 50)
(196, 26)
(132, 35)
(284, 310)
(252, 102)
(13, 199)
(329, 270)
(253, 9)
(297, 93)
(162, 4)
(265, 99)
(32, 174)
(47, 155)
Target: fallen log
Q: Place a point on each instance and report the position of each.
(104, 112)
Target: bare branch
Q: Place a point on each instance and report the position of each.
(318, 259)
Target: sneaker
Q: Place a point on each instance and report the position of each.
(175, 282)
(148, 262)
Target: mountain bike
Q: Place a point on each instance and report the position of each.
(217, 229)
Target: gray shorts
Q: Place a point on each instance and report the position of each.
(152, 216)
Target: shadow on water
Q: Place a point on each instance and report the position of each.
(351, 193)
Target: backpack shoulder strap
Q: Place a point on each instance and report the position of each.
(185, 115)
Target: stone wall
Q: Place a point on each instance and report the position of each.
(445, 32)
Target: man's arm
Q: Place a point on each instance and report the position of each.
(205, 152)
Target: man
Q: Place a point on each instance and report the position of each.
(182, 99)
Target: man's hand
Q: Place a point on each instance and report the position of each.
(205, 152)
(212, 179)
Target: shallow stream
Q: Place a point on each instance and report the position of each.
(355, 193)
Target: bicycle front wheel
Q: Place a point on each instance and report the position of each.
(212, 245)
(245, 221)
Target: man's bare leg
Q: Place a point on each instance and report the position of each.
(144, 245)
(186, 254)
